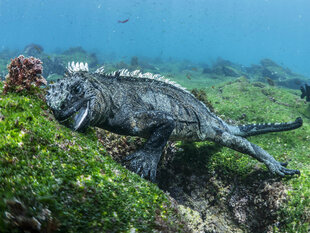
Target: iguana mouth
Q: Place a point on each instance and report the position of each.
(79, 119)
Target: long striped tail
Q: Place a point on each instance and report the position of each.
(256, 129)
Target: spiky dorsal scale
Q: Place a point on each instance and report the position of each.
(125, 73)
(148, 76)
(73, 68)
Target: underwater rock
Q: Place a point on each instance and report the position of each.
(224, 68)
(267, 73)
(268, 62)
(120, 146)
(93, 60)
(258, 84)
(254, 69)
(305, 92)
(233, 205)
(274, 74)
(53, 65)
(7, 54)
(292, 83)
(188, 67)
(229, 71)
(272, 70)
(206, 70)
(226, 71)
(256, 205)
(223, 62)
(74, 50)
(78, 53)
(121, 65)
(18, 215)
(146, 65)
(33, 50)
(134, 61)
(141, 64)
(270, 81)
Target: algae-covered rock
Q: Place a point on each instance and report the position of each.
(33, 50)
(270, 70)
(55, 180)
(224, 68)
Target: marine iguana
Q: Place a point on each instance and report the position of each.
(149, 106)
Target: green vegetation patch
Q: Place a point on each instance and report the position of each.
(54, 179)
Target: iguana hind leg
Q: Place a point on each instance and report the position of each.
(244, 146)
(158, 126)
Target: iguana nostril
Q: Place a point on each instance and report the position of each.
(62, 106)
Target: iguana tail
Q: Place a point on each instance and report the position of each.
(255, 129)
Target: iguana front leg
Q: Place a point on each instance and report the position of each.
(244, 146)
(157, 127)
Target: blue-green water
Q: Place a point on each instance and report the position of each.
(243, 31)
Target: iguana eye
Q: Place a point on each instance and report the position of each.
(77, 90)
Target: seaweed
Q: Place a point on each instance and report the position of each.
(24, 73)
(201, 95)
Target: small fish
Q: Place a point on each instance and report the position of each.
(123, 21)
(213, 87)
(194, 69)
(188, 76)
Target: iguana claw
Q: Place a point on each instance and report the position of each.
(280, 169)
(144, 164)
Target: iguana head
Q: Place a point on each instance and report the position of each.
(71, 100)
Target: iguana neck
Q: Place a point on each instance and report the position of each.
(100, 103)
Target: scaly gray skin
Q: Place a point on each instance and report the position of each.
(143, 106)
